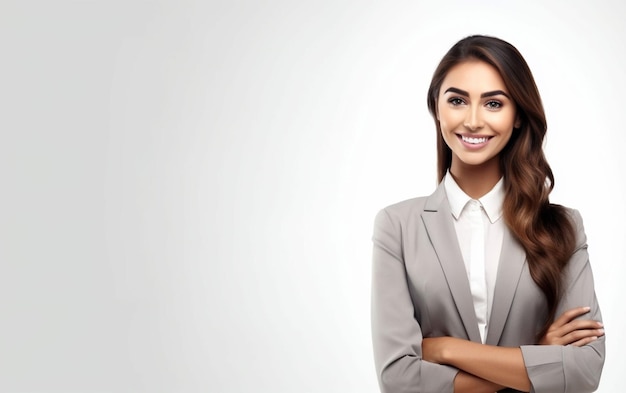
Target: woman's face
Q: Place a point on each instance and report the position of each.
(475, 114)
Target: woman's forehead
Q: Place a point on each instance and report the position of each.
(474, 77)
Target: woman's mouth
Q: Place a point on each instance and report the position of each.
(474, 142)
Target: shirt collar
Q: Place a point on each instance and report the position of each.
(458, 199)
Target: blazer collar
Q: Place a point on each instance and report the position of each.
(437, 218)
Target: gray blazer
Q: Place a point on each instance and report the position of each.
(420, 289)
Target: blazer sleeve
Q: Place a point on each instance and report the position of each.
(555, 368)
(396, 334)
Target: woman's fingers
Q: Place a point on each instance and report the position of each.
(584, 341)
(566, 330)
(579, 324)
(578, 335)
(569, 315)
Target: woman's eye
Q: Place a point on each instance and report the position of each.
(494, 105)
(456, 101)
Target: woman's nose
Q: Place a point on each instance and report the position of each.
(473, 120)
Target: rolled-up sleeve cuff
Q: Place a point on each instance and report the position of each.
(544, 365)
(414, 375)
(445, 384)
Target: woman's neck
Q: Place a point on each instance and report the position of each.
(476, 180)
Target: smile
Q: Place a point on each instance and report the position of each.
(474, 141)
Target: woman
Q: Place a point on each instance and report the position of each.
(484, 285)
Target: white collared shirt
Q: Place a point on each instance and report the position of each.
(480, 229)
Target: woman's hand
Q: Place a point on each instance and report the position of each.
(567, 330)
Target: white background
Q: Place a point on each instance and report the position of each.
(188, 188)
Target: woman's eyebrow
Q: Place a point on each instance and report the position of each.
(487, 94)
(494, 93)
(457, 91)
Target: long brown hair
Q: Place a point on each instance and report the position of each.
(543, 229)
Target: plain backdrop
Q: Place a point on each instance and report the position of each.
(188, 188)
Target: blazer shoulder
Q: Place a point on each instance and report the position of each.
(404, 209)
(572, 213)
(579, 228)
(394, 221)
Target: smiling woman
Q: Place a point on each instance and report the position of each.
(468, 282)
(476, 120)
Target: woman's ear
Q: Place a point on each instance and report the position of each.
(518, 122)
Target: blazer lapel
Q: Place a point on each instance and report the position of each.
(512, 259)
(437, 218)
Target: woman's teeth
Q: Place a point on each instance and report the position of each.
(474, 141)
